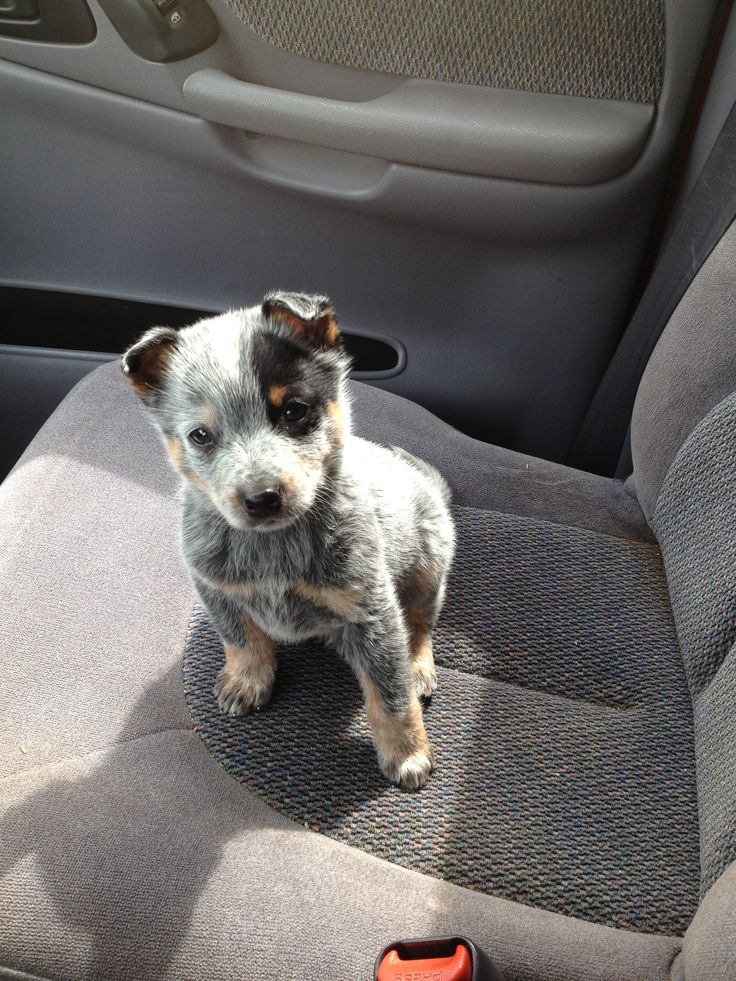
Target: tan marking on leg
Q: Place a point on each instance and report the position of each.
(404, 752)
(246, 681)
(422, 663)
(244, 589)
(345, 603)
(337, 415)
(417, 616)
(276, 395)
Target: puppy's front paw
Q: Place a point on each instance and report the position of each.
(412, 771)
(239, 694)
(404, 753)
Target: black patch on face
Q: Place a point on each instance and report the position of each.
(311, 377)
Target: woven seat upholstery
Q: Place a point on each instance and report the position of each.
(585, 710)
(565, 776)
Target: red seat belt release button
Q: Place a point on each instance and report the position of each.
(456, 967)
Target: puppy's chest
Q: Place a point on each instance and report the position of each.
(297, 609)
(295, 588)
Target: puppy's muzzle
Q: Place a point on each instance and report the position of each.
(263, 503)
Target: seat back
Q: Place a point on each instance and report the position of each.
(684, 450)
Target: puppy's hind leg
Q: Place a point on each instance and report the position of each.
(422, 598)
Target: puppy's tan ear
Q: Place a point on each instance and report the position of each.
(144, 364)
(310, 318)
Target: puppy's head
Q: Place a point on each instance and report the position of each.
(251, 404)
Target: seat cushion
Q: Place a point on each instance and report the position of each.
(562, 725)
(486, 476)
(126, 850)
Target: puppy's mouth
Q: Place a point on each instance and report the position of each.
(275, 522)
(264, 523)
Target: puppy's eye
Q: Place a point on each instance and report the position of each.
(200, 436)
(295, 411)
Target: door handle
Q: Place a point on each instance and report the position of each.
(462, 128)
(163, 30)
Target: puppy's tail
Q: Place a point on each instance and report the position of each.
(430, 472)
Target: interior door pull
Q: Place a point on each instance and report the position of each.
(462, 128)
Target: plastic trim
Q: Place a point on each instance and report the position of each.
(499, 133)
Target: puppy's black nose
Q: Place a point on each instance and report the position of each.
(263, 502)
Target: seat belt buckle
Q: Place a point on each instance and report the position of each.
(434, 959)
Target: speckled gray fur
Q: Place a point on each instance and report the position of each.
(366, 526)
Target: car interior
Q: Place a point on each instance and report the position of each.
(523, 212)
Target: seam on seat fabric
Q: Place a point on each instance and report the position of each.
(652, 546)
(658, 518)
(605, 707)
(13, 974)
(676, 957)
(47, 764)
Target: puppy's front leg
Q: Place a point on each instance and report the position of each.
(246, 681)
(377, 649)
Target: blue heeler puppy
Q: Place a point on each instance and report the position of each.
(292, 527)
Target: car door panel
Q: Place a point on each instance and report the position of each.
(508, 291)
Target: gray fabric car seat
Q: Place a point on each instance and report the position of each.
(684, 450)
(126, 850)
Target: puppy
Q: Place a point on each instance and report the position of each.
(292, 527)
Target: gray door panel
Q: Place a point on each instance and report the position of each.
(508, 295)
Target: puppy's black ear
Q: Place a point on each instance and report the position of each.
(144, 364)
(311, 318)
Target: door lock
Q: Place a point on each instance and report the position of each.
(163, 30)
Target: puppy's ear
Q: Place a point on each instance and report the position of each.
(144, 364)
(310, 318)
